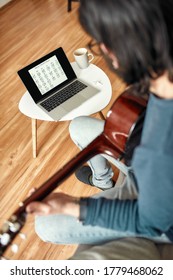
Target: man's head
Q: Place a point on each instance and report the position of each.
(135, 35)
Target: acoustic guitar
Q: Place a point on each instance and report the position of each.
(117, 140)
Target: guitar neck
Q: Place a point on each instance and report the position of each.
(100, 145)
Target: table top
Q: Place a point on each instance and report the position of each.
(92, 74)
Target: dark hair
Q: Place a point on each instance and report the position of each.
(138, 32)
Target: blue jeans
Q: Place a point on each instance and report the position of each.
(63, 229)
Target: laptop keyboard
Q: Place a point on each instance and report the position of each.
(62, 95)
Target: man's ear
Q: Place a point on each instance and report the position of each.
(104, 48)
(111, 55)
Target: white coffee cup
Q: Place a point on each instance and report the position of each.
(82, 57)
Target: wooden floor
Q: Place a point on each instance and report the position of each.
(29, 30)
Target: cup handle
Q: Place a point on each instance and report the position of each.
(92, 57)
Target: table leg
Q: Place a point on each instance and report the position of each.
(34, 137)
(101, 115)
(69, 5)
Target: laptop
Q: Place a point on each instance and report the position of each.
(54, 86)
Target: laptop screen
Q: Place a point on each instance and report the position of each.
(47, 75)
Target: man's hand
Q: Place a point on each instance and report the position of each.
(55, 203)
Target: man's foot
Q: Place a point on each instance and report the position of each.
(84, 174)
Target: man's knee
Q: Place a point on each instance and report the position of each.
(57, 229)
(75, 126)
(84, 129)
(42, 230)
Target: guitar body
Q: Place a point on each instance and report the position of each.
(123, 119)
(119, 128)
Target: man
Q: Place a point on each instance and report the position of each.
(136, 38)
